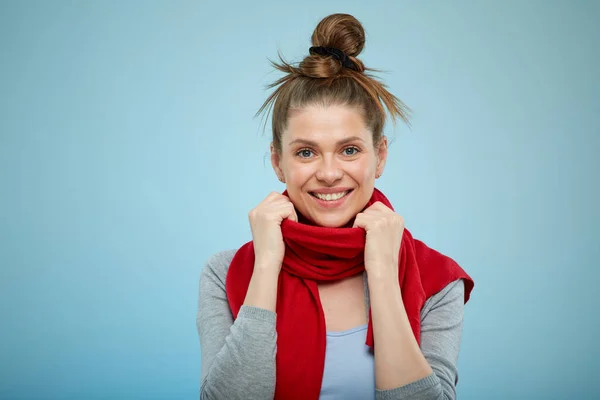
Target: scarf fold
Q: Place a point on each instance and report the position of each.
(316, 254)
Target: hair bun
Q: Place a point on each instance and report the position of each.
(336, 42)
(340, 31)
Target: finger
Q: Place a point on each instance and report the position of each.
(373, 212)
(360, 221)
(283, 211)
(273, 195)
(292, 213)
(373, 207)
(379, 206)
(276, 201)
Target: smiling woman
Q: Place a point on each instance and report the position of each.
(333, 298)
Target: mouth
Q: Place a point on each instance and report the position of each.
(331, 199)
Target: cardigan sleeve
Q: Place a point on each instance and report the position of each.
(441, 331)
(237, 358)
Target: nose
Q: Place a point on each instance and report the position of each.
(329, 170)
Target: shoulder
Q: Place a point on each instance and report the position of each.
(441, 274)
(450, 299)
(216, 266)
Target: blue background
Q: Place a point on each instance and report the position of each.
(129, 153)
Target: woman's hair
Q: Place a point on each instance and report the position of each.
(332, 75)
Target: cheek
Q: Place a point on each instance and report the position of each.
(363, 170)
(298, 174)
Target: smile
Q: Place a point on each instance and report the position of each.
(330, 196)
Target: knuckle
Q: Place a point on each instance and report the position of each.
(271, 196)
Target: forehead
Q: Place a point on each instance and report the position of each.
(325, 124)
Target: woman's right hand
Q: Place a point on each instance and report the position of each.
(265, 223)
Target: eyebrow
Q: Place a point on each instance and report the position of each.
(314, 144)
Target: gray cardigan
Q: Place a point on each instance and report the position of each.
(238, 357)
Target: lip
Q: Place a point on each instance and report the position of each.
(332, 203)
(330, 190)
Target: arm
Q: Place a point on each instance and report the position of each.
(238, 357)
(401, 364)
(398, 358)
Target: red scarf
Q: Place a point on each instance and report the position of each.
(326, 254)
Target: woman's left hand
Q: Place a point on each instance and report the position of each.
(384, 234)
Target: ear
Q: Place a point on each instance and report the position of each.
(382, 152)
(276, 163)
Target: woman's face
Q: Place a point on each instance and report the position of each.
(329, 163)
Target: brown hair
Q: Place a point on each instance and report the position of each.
(324, 80)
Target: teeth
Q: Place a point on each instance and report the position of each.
(330, 196)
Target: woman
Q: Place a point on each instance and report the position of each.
(332, 298)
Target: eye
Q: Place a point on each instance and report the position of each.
(351, 151)
(304, 153)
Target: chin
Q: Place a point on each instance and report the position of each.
(331, 220)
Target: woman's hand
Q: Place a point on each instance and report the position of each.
(265, 223)
(384, 234)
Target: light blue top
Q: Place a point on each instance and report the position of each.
(349, 366)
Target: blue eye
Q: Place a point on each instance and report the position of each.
(350, 151)
(304, 153)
